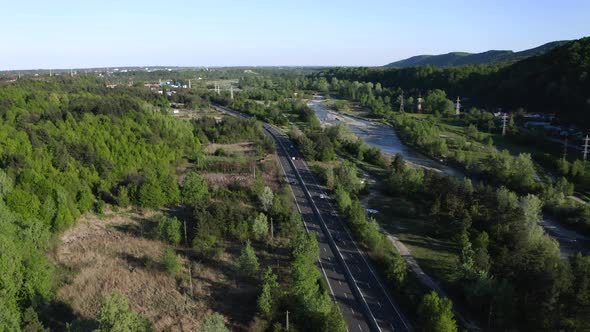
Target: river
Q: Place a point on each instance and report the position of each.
(385, 138)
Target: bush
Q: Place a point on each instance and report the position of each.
(170, 261)
(115, 315)
(214, 323)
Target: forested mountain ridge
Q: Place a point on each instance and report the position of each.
(464, 58)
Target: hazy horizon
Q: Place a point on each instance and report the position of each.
(67, 34)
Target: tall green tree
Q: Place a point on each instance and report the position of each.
(248, 262)
(436, 314)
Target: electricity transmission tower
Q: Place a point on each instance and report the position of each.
(504, 119)
(458, 106)
(401, 103)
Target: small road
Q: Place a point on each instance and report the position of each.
(570, 241)
(352, 281)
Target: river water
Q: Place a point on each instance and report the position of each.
(386, 139)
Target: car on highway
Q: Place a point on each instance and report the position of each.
(334, 214)
(293, 158)
(322, 196)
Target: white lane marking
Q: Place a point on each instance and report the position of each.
(367, 264)
(360, 328)
(339, 283)
(324, 249)
(352, 310)
(307, 230)
(304, 187)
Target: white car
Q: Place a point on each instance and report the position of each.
(292, 158)
(322, 196)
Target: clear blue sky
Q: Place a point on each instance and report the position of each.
(91, 33)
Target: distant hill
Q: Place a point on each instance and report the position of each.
(463, 58)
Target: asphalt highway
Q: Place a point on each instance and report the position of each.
(352, 281)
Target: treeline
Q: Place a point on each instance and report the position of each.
(555, 82)
(70, 146)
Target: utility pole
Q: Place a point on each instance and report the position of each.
(586, 147)
(231, 91)
(272, 232)
(565, 148)
(287, 321)
(401, 103)
(189, 84)
(504, 119)
(190, 272)
(458, 106)
(419, 103)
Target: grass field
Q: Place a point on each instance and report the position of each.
(436, 256)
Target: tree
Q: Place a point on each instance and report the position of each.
(170, 261)
(396, 269)
(123, 199)
(436, 314)
(116, 316)
(343, 200)
(214, 323)
(6, 184)
(169, 229)
(266, 198)
(248, 262)
(31, 322)
(260, 227)
(195, 189)
(268, 295)
(151, 194)
(346, 175)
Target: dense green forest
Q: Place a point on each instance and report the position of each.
(555, 82)
(69, 146)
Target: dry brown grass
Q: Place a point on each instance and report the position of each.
(242, 148)
(106, 257)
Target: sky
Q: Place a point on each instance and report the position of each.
(107, 33)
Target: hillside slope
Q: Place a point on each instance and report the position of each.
(463, 58)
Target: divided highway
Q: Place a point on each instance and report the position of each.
(352, 281)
